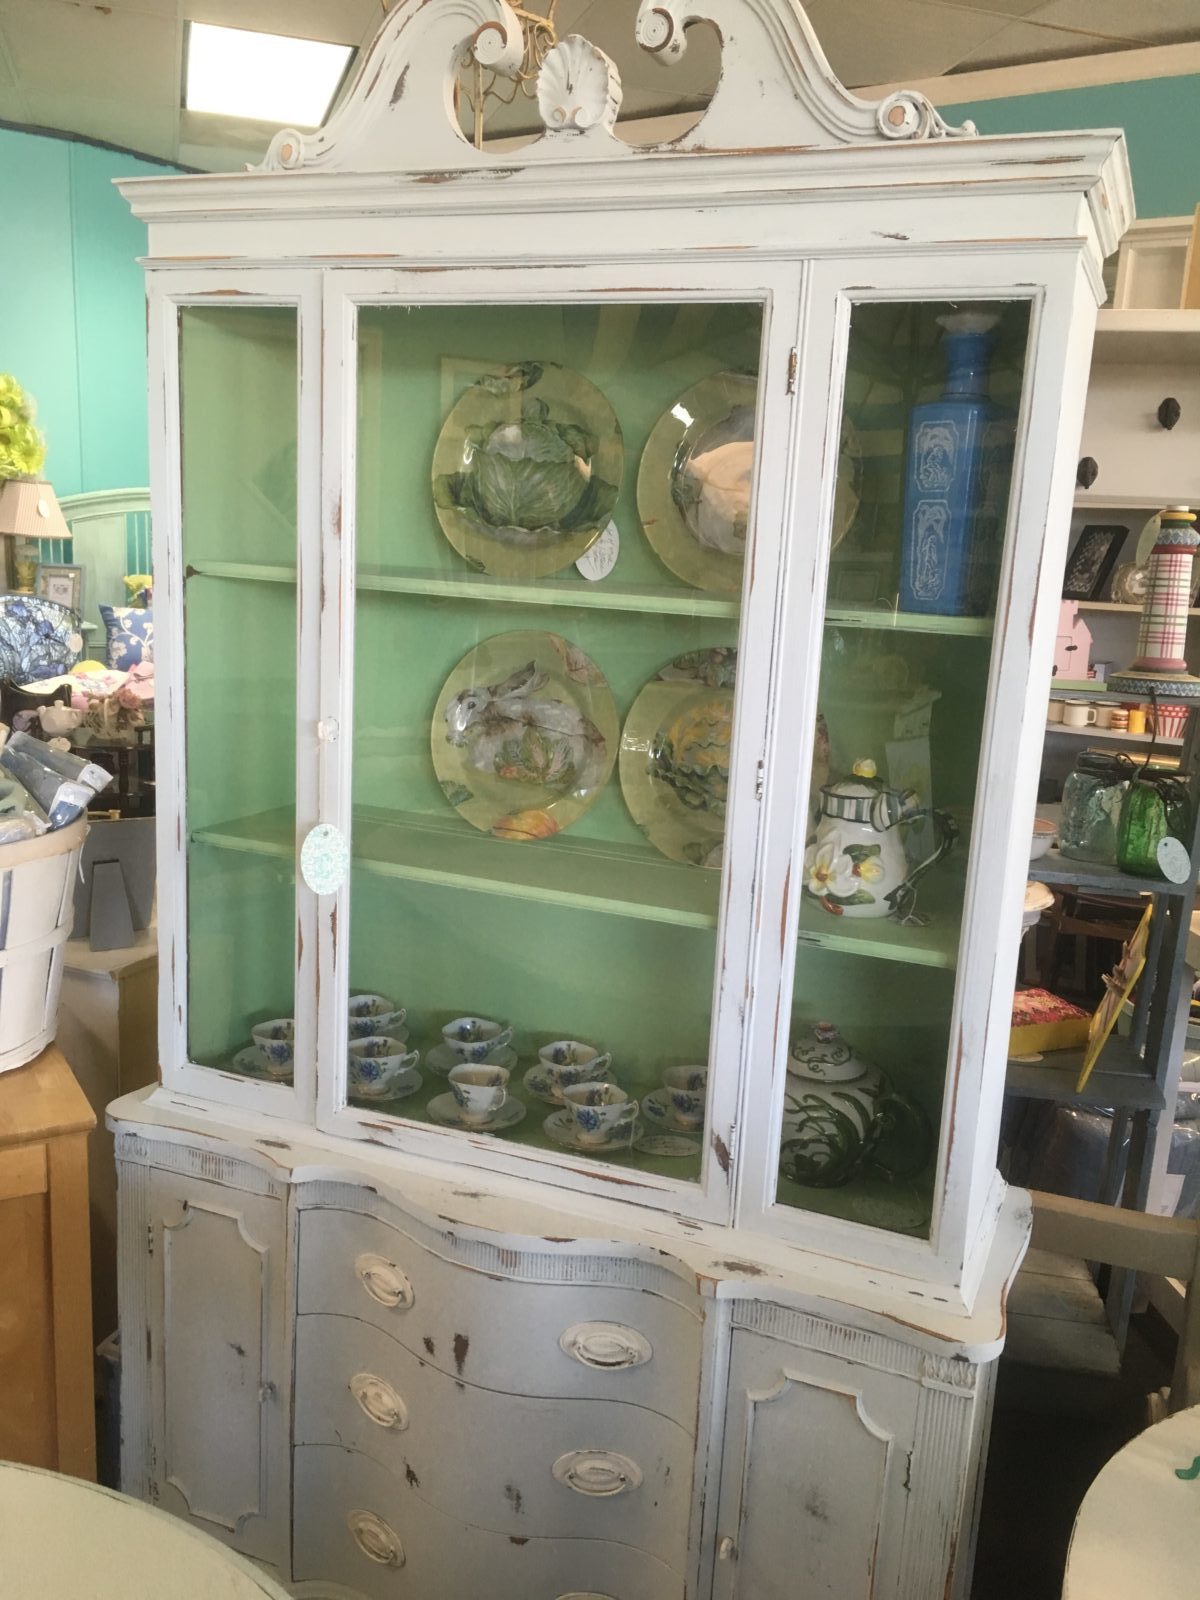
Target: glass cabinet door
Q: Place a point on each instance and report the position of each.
(929, 415)
(238, 396)
(553, 511)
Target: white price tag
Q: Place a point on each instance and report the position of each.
(601, 558)
(1173, 860)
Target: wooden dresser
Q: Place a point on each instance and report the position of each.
(47, 1417)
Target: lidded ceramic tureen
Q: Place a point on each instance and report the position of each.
(841, 1115)
(856, 864)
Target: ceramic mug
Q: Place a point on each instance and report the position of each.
(374, 1014)
(1104, 716)
(568, 1061)
(474, 1038)
(1078, 714)
(687, 1088)
(600, 1111)
(1054, 711)
(276, 1041)
(1137, 719)
(479, 1092)
(378, 1067)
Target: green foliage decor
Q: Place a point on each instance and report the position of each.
(22, 447)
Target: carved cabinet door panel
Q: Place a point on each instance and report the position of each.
(813, 1477)
(218, 1379)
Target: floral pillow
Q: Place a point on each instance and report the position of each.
(130, 635)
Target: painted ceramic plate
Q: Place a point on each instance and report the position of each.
(251, 1063)
(441, 1059)
(524, 735)
(444, 1108)
(1130, 583)
(672, 1145)
(380, 1102)
(38, 639)
(675, 756)
(560, 1128)
(539, 1083)
(658, 1108)
(696, 476)
(527, 469)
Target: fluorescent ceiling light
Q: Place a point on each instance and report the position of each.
(265, 76)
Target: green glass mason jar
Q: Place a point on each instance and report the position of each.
(1152, 810)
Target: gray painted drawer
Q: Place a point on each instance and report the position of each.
(352, 1528)
(547, 1468)
(503, 1333)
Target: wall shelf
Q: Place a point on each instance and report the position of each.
(1146, 338)
(1093, 732)
(1054, 867)
(1119, 1079)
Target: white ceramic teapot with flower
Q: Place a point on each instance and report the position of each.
(856, 864)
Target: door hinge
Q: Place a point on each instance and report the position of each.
(759, 780)
(793, 369)
(149, 1238)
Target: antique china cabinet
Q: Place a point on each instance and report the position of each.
(606, 593)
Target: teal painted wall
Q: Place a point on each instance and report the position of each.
(72, 317)
(1160, 116)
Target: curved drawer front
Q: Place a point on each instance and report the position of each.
(355, 1527)
(523, 1338)
(539, 1468)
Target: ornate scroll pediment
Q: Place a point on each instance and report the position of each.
(776, 90)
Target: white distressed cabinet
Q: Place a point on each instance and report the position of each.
(607, 593)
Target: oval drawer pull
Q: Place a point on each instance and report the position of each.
(379, 1401)
(606, 1346)
(384, 1282)
(375, 1539)
(597, 1472)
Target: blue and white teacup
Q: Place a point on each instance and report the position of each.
(479, 1092)
(474, 1038)
(276, 1041)
(600, 1111)
(569, 1061)
(687, 1089)
(379, 1068)
(374, 1014)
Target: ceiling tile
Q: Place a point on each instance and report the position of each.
(115, 57)
(919, 39)
(993, 8)
(1146, 22)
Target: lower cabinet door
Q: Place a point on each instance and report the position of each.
(358, 1527)
(218, 1369)
(813, 1477)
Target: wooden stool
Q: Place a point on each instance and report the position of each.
(47, 1407)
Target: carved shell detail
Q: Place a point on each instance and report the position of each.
(578, 87)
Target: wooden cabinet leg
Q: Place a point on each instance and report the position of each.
(71, 1293)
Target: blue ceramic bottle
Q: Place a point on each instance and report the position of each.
(956, 482)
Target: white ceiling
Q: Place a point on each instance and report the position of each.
(110, 69)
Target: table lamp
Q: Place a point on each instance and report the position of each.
(29, 513)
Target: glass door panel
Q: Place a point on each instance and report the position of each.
(238, 378)
(931, 399)
(542, 752)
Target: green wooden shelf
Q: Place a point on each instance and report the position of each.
(909, 622)
(586, 873)
(882, 939)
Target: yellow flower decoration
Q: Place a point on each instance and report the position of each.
(865, 768)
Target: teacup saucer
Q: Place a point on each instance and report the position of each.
(251, 1063)
(359, 1098)
(540, 1084)
(441, 1059)
(668, 1145)
(562, 1129)
(444, 1108)
(658, 1108)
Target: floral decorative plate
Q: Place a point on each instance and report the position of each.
(251, 1063)
(1130, 583)
(675, 756)
(524, 735)
(444, 1108)
(527, 469)
(696, 477)
(38, 638)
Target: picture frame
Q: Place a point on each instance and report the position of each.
(62, 584)
(1092, 560)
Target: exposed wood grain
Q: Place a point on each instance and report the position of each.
(23, 1171)
(71, 1290)
(42, 1099)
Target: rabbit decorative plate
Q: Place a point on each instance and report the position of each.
(524, 735)
(526, 470)
(696, 477)
(675, 755)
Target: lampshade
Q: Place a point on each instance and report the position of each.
(29, 510)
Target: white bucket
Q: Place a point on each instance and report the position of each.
(37, 908)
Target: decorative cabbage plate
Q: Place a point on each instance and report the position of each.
(38, 639)
(527, 469)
